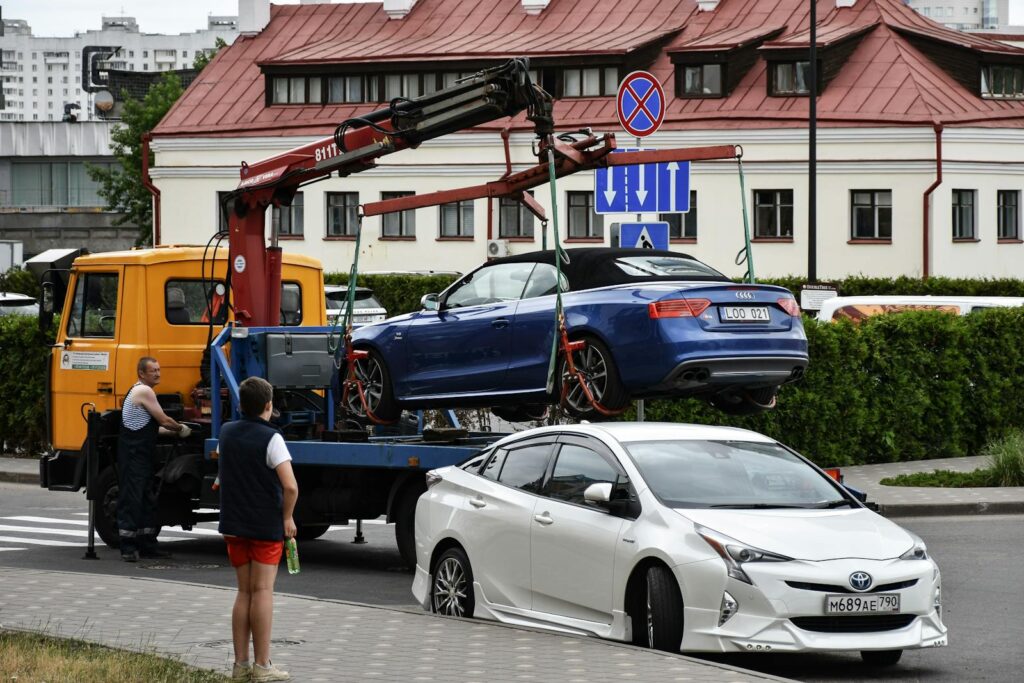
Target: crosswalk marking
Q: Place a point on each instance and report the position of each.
(47, 520)
(37, 541)
(3, 549)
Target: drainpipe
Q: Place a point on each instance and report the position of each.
(153, 189)
(926, 227)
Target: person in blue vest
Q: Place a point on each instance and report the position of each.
(257, 499)
(141, 420)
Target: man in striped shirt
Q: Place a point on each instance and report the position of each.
(141, 419)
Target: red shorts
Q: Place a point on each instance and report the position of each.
(242, 551)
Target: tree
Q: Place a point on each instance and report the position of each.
(121, 185)
(204, 57)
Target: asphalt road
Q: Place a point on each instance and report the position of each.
(982, 578)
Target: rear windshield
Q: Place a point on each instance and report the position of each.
(363, 300)
(664, 266)
(730, 474)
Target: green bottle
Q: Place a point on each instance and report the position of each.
(291, 551)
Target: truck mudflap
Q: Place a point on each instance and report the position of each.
(62, 471)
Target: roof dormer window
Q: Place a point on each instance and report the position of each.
(700, 80)
(590, 82)
(1002, 81)
(790, 78)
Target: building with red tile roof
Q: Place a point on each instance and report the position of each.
(901, 100)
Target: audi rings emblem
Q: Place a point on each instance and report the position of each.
(744, 294)
(860, 581)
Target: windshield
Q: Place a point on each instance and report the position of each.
(363, 300)
(731, 474)
(665, 266)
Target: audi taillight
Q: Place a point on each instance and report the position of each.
(790, 306)
(677, 308)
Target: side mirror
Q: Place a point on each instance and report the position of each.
(429, 302)
(599, 493)
(46, 306)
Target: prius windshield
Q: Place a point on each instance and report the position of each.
(732, 474)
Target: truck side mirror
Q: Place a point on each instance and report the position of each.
(46, 306)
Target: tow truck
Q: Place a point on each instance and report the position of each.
(214, 315)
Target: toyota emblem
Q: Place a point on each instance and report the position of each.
(744, 294)
(860, 581)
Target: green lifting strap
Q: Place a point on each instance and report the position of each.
(745, 254)
(333, 342)
(560, 254)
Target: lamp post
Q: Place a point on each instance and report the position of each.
(812, 152)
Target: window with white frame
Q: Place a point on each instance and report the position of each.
(456, 219)
(871, 214)
(682, 225)
(590, 82)
(700, 80)
(773, 213)
(963, 214)
(791, 78)
(398, 223)
(583, 222)
(287, 221)
(514, 219)
(1008, 205)
(342, 214)
(1002, 81)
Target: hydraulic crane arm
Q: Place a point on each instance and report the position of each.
(355, 145)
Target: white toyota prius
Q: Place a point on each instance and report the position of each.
(676, 537)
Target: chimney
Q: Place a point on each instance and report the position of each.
(706, 5)
(253, 16)
(845, 3)
(397, 9)
(535, 6)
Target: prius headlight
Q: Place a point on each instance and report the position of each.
(736, 554)
(918, 551)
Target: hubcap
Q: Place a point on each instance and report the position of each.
(450, 588)
(370, 374)
(594, 371)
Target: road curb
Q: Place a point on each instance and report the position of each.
(952, 509)
(19, 477)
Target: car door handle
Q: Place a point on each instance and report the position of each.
(543, 519)
(477, 503)
(500, 323)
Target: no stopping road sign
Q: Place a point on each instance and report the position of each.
(640, 104)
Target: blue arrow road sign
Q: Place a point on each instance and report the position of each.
(643, 235)
(662, 188)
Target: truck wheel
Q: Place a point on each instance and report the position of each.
(106, 508)
(405, 524)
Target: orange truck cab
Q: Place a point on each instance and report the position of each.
(165, 302)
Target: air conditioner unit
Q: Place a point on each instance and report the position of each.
(497, 248)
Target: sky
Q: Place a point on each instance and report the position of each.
(64, 17)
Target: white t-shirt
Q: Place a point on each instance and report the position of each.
(277, 452)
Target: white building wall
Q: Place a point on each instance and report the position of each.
(39, 75)
(189, 173)
(965, 15)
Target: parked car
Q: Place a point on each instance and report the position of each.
(366, 309)
(675, 537)
(17, 304)
(859, 307)
(654, 323)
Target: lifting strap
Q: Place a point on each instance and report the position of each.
(560, 340)
(342, 350)
(744, 255)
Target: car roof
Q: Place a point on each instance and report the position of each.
(629, 432)
(591, 267)
(11, 297)
(344, 288)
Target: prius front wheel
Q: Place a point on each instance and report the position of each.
(658, 622)
(451, 585)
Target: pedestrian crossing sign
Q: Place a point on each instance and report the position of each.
(644, 235)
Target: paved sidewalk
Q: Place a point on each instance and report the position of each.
(326, 640)
(905, 501)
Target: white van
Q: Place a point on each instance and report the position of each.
(859, 307)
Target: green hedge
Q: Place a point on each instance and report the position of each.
(19, 281)
(895, 387)
(23, 383)
(397, 293)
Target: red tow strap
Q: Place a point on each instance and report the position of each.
(573, 374)
(353, 384)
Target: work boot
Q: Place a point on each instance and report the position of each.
(130, 556)
(241, 672)
(269, 673)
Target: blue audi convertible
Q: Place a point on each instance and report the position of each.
(655, 324)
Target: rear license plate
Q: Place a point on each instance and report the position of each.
(744, 314)
(871, 603)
